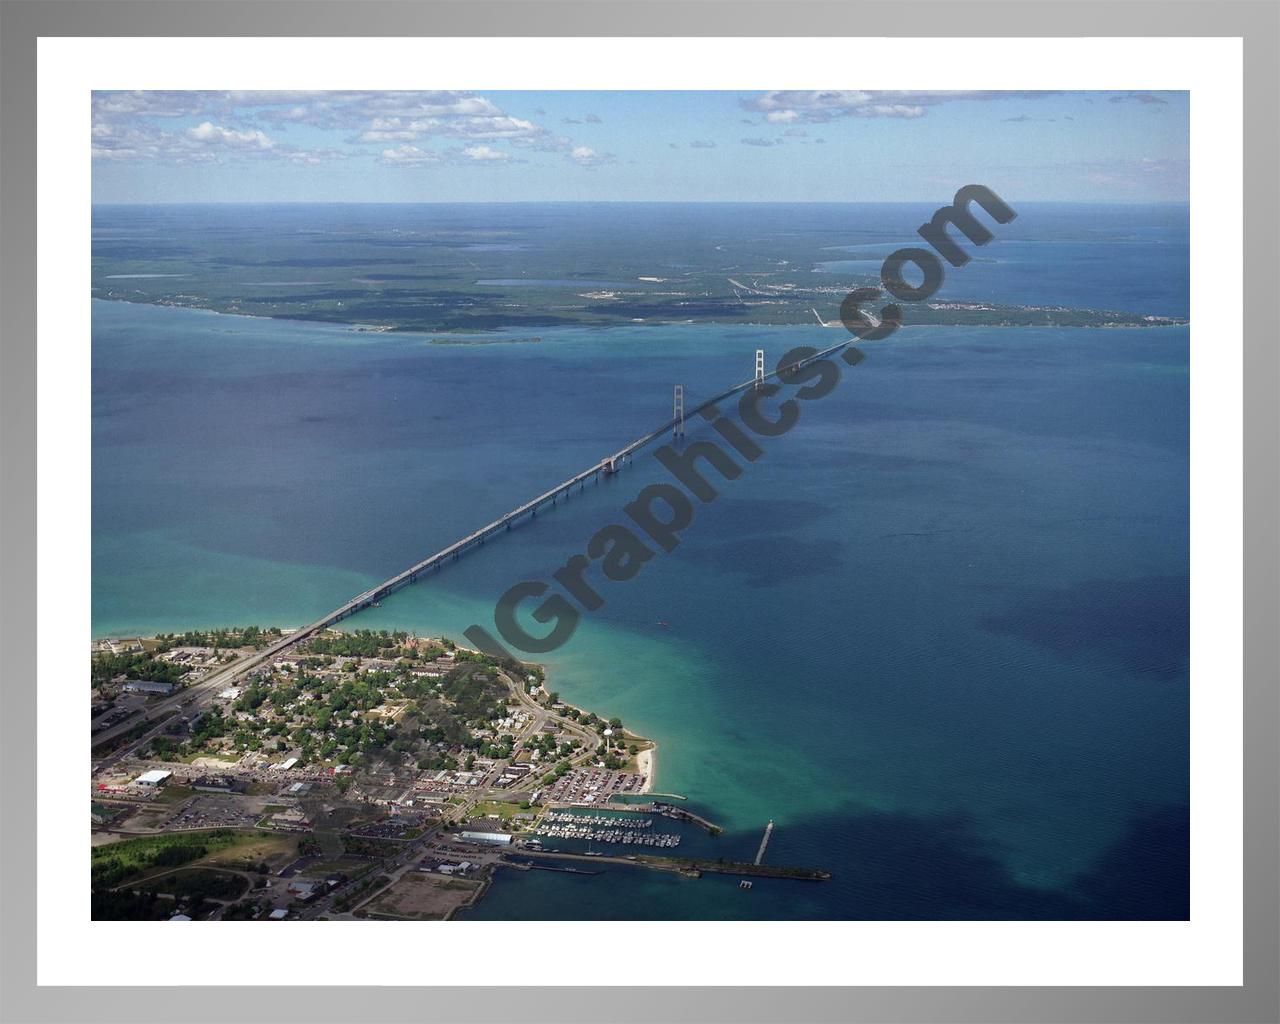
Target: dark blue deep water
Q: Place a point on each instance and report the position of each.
(938, 632)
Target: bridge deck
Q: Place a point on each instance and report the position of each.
(367, 598)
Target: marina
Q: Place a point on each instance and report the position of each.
(564, 818)
(600, 829)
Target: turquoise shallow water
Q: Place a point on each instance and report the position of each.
(938, 632)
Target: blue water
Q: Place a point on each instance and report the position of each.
(1126, 259)
(938, 632)
(556, 282)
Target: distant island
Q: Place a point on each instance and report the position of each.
(789, 309)
(485, 341)
(551, 269)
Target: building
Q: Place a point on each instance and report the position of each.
(285, 765)
(149, 686)
(153, 779)
(495, 838)
(305, 891)
(291, 818)
(217, 784)
(279, 914)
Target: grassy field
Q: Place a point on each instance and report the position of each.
(503, 809)
(252, 848)
(352, 867)
(120, 863)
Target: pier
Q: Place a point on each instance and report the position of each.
(680, 814)
(764, 841)
(689, 867)
(528, 865)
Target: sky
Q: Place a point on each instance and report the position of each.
(777, 146)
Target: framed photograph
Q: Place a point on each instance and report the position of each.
(609, 511)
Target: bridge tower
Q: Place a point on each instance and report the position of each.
(677, 413)
(759, 366)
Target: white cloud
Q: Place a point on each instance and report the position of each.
(205, 143)
(208, 132)
(148, 104)
(788, 106)
(585, 156)
(485, 153)
(408, 156)
(487, 126)
(132, 125)
(498, 126)
(385, 129)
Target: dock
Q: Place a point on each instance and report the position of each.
(690, 867)
(764, 841)
(528, 865)
(680, 814)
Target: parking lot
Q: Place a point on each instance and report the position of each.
(215, 812)
(592, 786)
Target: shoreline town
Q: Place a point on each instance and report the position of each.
(356, 775)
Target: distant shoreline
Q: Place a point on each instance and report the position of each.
(1131, 321)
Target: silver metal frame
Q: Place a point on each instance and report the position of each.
(23, 21)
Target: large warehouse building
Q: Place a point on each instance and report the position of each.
(148, 686)
(497, 838)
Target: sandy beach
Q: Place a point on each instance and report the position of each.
(646, 762)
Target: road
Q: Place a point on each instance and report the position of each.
(218, 679)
